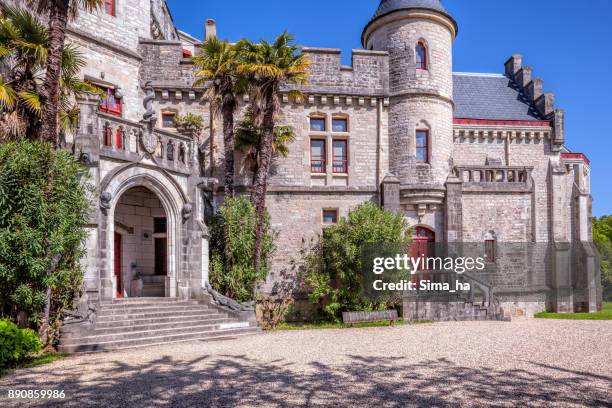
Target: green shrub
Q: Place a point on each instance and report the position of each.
(332, 271)
(602, 235)
(43, 209)
(232, 237)
(16, 343)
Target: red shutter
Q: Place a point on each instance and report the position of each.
(109, 6)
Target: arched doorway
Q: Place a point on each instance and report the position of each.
(140, 244)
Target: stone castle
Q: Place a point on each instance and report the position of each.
(465, 157)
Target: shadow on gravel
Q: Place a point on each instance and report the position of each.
(221, 381)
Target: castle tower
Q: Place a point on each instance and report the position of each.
(418, 35)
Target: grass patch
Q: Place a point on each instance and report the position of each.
(42, 359)
(322, 325)
(604, 314)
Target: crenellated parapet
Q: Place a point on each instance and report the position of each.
(543, 102)
(367, 76)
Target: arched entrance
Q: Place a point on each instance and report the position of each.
(124, 187)
(140, 244)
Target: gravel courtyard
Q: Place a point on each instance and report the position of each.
(525, 363)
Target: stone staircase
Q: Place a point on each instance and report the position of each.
(140, 322)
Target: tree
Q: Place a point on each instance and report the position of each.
(602, 236)
(268, 65)
(217, 68)
(333, 269)
(248, 137)
(59, 12)
(41, 234)
(23, 55)
(232, 237)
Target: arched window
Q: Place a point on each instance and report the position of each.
(490, 247)
(421, 56)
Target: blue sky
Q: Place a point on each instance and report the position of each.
(567, 42)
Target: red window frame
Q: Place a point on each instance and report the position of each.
(422, 148)
(119, 139)
(186, 53)
(318, 164)
(340, 163)
(107, 136)
(490, 250)
(109, 7)
(422, 64)
(105, 107)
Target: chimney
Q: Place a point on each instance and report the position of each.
(210, 29)
(534, 89)
(523, 77)
(513, 65)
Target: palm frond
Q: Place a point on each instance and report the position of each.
(8, 96)
(31, 101)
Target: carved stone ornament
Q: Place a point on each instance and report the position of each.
(187, 211)
(147, 139)
(105, 200)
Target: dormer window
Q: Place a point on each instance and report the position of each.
(109, 7)
(421, 56)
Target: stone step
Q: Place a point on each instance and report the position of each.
(141, 299)
(153, 315)
(153, 309)
(206, 335)
(163, 320)
(199, 327)
(135, 305)
(155, 325)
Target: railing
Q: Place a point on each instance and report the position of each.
(120, 139)
(494, 174)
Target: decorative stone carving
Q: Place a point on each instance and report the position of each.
(147, 139)
(187, 211)
(224, 301)
(105, 200)
(85, 314)
(170, 151)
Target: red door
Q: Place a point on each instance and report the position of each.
(118, 265)
(423, 245)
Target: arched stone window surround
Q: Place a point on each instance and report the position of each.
(425, 44)
(173, 200)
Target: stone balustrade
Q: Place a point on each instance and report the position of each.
(495, 177)
(120, 140)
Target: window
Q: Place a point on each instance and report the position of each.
(111, 103)
(109, 7)
(168, 119)
(330, 216)
(340, 155)
(340, 125)
(317, 125)
(160, 225)
(119, 139)
(422, 146)
(421, 56)
(317, 156)
(490, 250)
(186, 53)
(107, 135)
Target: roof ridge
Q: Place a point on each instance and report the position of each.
(480, 74)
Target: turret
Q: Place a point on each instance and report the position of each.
(418, 35)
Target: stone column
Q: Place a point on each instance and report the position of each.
(454, 209)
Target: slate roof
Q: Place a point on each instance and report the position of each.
(490, 96)
(387, 6)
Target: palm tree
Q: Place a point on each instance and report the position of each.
(217, 69)
(269, 65)
(248, 137)
(59, 12)
(23, 56)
